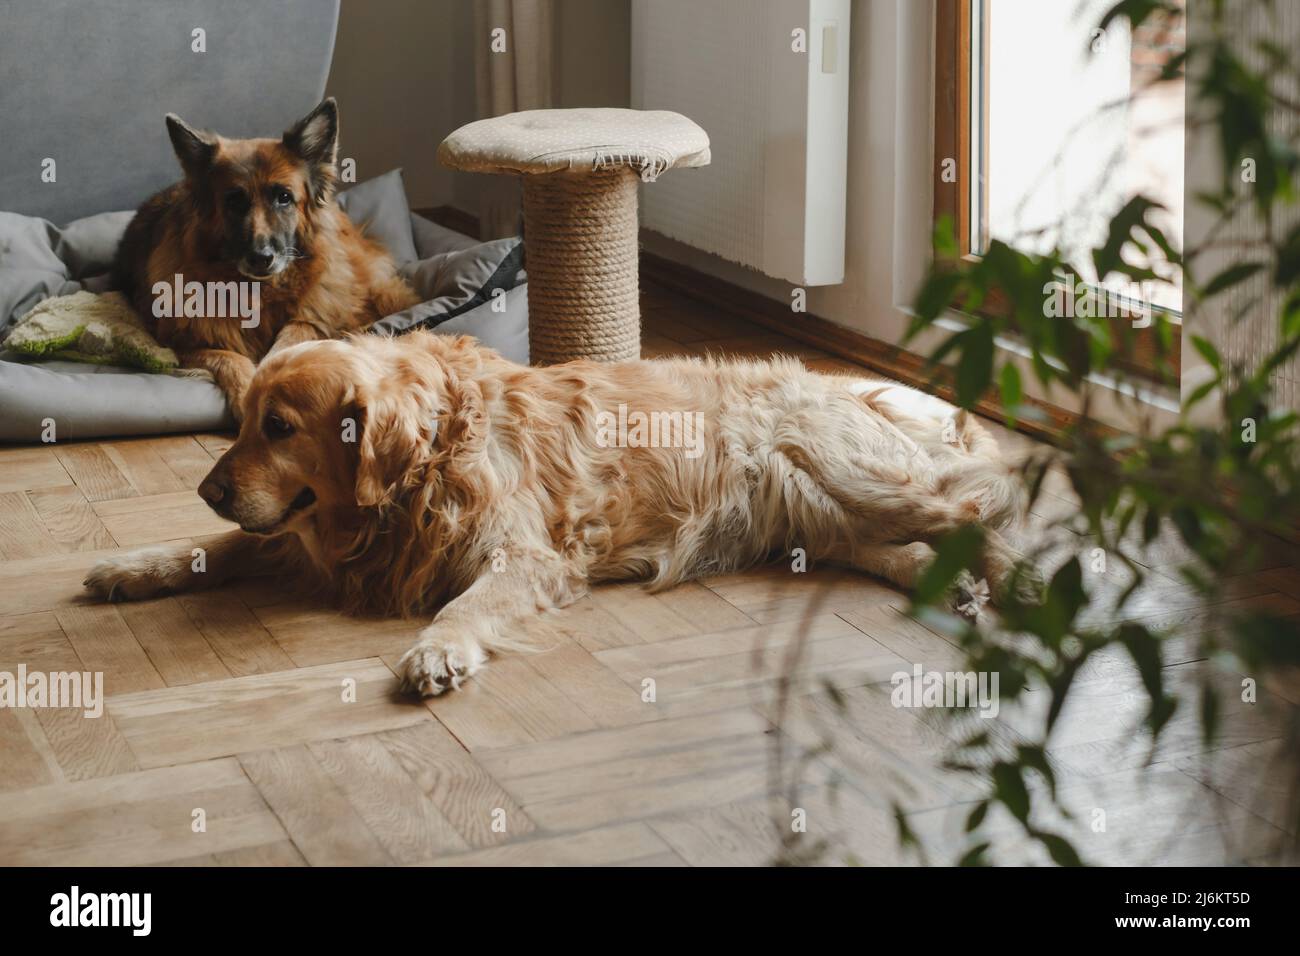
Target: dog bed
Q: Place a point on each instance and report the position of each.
(466, 287)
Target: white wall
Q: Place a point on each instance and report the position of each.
(403, 73)
(595, 44)
(1243, 321)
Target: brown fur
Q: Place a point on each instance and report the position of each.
(484, 486)
(339, 281)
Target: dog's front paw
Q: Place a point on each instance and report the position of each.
(967, 597)
(432, 667)
(134, 576)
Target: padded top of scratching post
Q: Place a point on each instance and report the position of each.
(548, 141)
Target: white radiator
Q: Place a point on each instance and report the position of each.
(777, 118)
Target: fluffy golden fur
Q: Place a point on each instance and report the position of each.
(429, 475)
(260, 210)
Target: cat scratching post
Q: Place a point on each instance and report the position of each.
(580, 170)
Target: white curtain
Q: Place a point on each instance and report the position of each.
(515, 66)
(1242, 322)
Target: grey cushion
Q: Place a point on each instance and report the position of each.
(456, 282)
(432, 239)
(39, 260)
(379, 207)
(505, 330)
(88, 84)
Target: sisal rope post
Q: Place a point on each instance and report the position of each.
(581, 247)
(581, 171)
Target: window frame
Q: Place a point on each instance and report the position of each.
(958, 25)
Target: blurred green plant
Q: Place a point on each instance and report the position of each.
(1227, 485)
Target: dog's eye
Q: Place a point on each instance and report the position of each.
(235, 199)
(282, 197)
(276, 427)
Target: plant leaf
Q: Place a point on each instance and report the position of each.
(975, 367)
(957, 551)
(1231, 276)
(1208, 352)
(1009, 789)
(1012, 392)
(1060, 849)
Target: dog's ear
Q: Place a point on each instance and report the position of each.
(194, 148)
(397, 435)
(315, 137)
(315, 140)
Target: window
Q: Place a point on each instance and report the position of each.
(1046, 126)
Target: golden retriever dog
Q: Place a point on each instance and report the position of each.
(428, 475)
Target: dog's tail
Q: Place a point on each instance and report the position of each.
(971, 467)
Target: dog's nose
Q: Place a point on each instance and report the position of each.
(261, 261)
(214, 492)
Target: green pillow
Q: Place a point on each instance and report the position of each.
(84, 327)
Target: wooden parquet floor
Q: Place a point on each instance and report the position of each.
(250, 725)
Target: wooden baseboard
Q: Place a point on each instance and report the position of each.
(888, 360)
(452, 218)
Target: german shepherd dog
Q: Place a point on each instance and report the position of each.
(260, 210)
